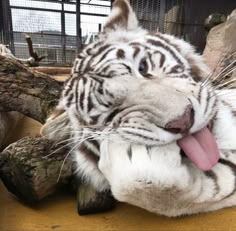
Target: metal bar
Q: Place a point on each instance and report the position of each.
(53, 1)
(44, 33)
(86, 4)
(63, 33)
(10, 27)
(112, 1)
(162, 15)
(6, 25)
(78, 26)
(69, 3)
(1, 23)
(38, 9)
(58, 11)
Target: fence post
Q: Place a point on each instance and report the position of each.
(6, 31)
(63, 33)
(162, 16)
(78, 27)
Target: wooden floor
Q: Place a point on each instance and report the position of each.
(59, 213)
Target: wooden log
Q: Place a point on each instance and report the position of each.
(34, 59)
(31, 93)
(23, 168)
(29, 174)
(53, 70)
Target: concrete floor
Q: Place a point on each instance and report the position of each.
(59, 212)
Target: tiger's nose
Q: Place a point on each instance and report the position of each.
(182, 123)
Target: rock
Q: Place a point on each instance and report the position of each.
(220, 48)
(213, 20)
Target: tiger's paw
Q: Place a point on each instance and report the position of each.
(90, 201)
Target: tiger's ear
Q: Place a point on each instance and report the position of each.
(122, 17)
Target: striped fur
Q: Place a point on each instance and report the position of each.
(126, 90)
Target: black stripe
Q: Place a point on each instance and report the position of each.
(95, 144)
(69, 100)
(112, 115)
(80, 56)
(80, 67)
(77, 95)
(175, 68)
(96, 78)
(94, 119)
(136, 44)
(90, 104)
(109, 93)
(88, 65)
(129, 152)
(163, 58)
(120, 54)
(101, 49)
(100, 88)
(96, 44)
(142, 136)
(232, 166)
(102, 71)
(75, 64)
(230, 107)
(105, 54)
(81, 100)
(69, 86)
(128, 68)
(151, 61)
(214, 178)
(136, 51)
(160, 36)
(167, 48)
(88, 153)
(148, 151)
(199, 95)
(207, 102)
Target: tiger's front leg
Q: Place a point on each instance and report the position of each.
(161, 180)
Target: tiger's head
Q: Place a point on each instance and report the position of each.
(148, 87)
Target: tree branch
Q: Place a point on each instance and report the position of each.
(29, 92)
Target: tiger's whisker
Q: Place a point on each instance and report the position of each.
(218, 76)
(213, 71)
(57, 150)
(60, 172)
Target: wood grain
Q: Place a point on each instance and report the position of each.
(59, 213)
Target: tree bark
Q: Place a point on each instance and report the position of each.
(24, 168)
(28, 173)
(53, 70)
(29, 92)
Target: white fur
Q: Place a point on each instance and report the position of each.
(175, 188)
(154, 178)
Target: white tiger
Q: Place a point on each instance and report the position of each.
(148, 124)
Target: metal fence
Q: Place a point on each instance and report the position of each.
(182, 18)
(185, 18)
(59, 27)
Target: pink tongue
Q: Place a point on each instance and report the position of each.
(201, 149)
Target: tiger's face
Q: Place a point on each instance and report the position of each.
(147, 87)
